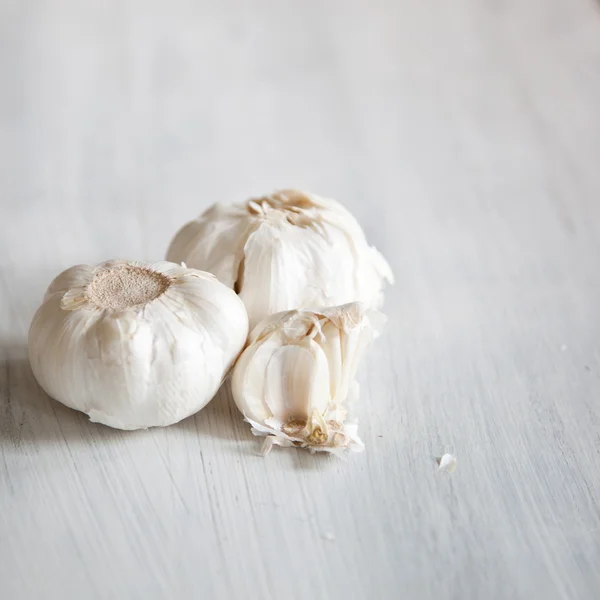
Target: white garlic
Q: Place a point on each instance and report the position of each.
(133, 344)
(287, 250)
(296, 378)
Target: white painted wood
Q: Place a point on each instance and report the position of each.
(465, 135)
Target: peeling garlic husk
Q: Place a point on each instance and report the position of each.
(295, 381)
(287, 250)
(136, 345)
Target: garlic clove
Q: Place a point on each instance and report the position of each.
(288, 382)
(320, 393)
(331, 345)
(250, 377)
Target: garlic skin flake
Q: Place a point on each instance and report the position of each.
(287, 250)
(296, 378)
(447, 463)
(133, 344)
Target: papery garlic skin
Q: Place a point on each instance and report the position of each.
(287, 250)
(295, 380)
(136, 345)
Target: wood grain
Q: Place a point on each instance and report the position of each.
(465, 136)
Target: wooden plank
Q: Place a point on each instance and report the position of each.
(465, 136)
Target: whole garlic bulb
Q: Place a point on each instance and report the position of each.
(136, 345)
(285, 251)
(296, 378)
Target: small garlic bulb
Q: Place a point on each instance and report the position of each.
(294, 381)
(136, 345)
(285, 251)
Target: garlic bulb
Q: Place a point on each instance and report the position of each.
(136, 345)
(295, 380)
(285, 251)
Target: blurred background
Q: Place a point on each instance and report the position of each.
(465, 137)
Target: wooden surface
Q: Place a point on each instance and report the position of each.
(465, 136)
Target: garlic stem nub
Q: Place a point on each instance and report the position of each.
(125, 286)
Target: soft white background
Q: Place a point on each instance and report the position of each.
(465, 136)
